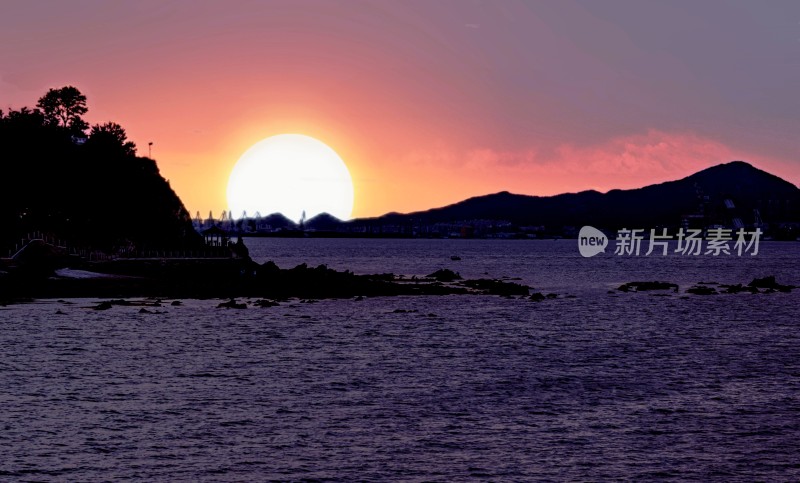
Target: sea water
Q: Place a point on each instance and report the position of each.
(591, 385)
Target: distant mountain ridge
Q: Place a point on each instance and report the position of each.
(734, 194)
(700, 195)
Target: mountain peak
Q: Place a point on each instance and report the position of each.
(739, 173)
(709, 193)
(731, 165)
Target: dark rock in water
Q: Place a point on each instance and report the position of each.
(552, 295)
(537, 297)
(322, 282)
(497, 287)
(765, 282)
(130, 303)
(121, 302)
(770, 283)
(455, 258)
(144, 311)
(645, 286)
(265, 303)
(231, 304)
(445, 275)
(103, 306)
(701, 290)
(59, 312)
(403, 311)
(176, 303)
(738, 288)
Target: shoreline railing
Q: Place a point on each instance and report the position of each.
(209, 252)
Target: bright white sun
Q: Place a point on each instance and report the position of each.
(290, 174)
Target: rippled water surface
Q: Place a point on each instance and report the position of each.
(602, 386)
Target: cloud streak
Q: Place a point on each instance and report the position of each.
(622, 162)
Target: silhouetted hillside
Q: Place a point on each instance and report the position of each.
(324, 222)
(702, 195)
(278, 220)
(88, 188)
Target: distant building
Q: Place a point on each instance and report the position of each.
(216, 237)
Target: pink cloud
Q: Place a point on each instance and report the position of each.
(625, 162)
(633, 160)
(655, 156)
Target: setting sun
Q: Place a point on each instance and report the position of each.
(290, 174)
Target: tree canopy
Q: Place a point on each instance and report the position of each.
(113, 135)
(64, 107)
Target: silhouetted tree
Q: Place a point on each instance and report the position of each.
(25, 117)
(96, 194)
(112, 133)
(64, 107)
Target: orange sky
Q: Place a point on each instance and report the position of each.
(427, 103)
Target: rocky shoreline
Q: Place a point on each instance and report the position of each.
(226, 278)
(765, 285)
(231, 278)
